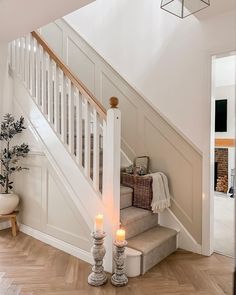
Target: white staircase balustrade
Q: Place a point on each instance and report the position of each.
(90, 134)
(70, 110)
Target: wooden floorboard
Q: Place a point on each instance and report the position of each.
(30, 267)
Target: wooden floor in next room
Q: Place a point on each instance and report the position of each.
(30, 267)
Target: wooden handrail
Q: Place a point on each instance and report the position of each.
(67, 71)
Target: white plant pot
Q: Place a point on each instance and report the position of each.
(8, 203)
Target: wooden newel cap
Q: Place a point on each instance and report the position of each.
(114, 101)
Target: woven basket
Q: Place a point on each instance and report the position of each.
(143, 192)
(142, 186)
(127, 179)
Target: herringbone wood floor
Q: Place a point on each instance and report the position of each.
(28, 266)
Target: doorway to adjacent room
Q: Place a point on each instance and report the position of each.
(223, 95)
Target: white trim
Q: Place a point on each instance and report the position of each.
(184, 239)
(54, 242)
(124, 159)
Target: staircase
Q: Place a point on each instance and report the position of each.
(74, 128)
(149, 132)
(82, 140)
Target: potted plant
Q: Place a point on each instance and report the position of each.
(10, 154)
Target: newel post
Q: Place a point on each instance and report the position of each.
(111, 168)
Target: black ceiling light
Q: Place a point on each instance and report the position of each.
(184, 8)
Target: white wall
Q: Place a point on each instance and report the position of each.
(224, 88)
(162, 56)
(166, 59)
(5, 101)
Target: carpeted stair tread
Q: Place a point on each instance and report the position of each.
(126, 197)
(150, 239)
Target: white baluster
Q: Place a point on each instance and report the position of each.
(13, 55)
(43, 83)
(17, 57)
(38, 75)
(104, 153)
(96, 153)
(79, 127)
(56, 100)
(50, 90)
(64, 90)
(71, 117)
(22, 59)
(87, 149)
(27, 59)
(32, 66)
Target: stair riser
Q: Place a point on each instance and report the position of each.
(155, 256)
(139, 226)
(126, 200)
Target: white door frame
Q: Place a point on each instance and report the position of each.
(208, 203)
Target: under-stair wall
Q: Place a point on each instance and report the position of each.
(144, 130)
(47, 210)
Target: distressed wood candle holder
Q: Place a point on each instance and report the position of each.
(98, 276)
(119, 277)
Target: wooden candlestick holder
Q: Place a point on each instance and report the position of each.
(98, 276)
(119, 277)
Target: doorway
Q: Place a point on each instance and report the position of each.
(223, 95)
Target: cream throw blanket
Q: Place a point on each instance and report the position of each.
(161, 194)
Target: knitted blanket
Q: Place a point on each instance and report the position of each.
(161, 194)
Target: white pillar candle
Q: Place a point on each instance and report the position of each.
(98, 225)
(120, 235)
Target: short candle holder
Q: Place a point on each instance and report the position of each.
(119, 277)
(98, 276)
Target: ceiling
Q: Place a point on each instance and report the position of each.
(217, 7)
(19, 17)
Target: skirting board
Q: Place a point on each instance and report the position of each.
(185, 240)
(56, 243)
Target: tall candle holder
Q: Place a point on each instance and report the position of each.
(119, 277)
(98, 277)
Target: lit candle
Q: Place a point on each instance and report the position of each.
(120, 235)
(98, 225)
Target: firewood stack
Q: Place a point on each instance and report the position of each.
(222, 184)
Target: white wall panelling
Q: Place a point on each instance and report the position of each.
(168, 60)
(144, 129)
(46, 205)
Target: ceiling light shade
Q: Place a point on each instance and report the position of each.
(184, 8)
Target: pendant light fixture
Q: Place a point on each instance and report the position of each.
(184, 8)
